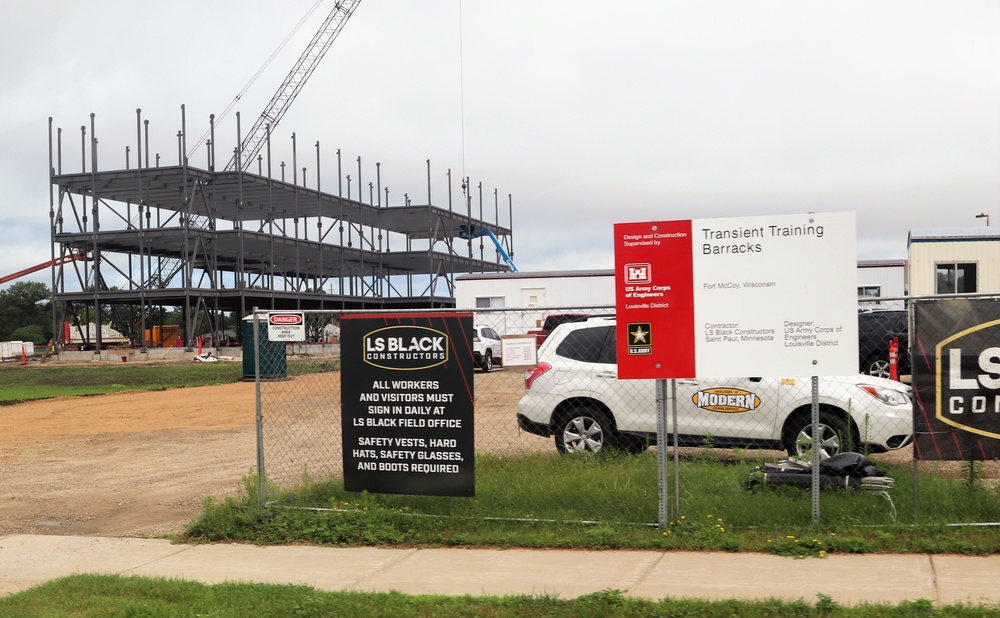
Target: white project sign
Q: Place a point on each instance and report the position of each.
(760, 296)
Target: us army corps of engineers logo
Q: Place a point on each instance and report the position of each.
(640, 339)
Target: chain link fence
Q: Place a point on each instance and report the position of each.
(566, 440)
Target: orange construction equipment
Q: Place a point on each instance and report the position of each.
(894, 358)
(69, 257)
(167, 336)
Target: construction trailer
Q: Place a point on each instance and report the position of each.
(211, 242)
(525, 290)
(881, 283)
(538, 294)
(953, 260)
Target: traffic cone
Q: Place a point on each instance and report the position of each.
(24, 357)
(894, 358)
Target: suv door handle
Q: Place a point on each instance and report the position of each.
(608, 374)
(687, 381)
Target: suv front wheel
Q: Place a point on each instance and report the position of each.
(833, 436)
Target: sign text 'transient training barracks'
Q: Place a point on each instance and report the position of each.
(766, 296)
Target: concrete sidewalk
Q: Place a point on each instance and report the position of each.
(28, 560)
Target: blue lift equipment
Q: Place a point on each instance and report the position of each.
(468, 232)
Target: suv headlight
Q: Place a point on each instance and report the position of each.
(888, 396)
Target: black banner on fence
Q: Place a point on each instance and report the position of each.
(407, 393)
(956, 379)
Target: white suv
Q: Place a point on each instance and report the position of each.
(574, 395)
(486, 347)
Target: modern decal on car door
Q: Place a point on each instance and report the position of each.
(730, 400)
(728, 407)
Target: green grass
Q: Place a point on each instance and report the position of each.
(38, 381)
(86, 596)
(609, 502)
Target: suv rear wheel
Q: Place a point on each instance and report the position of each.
(582, 430)
(487, 364)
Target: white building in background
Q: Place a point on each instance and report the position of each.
(523, 290)
(536, 295)
(953, 260)
(881, 279)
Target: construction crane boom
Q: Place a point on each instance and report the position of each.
(69, 257)
(290, 88)
(468, 232)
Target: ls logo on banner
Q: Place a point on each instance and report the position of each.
(969, 393)
(406, 347)
(956, 379)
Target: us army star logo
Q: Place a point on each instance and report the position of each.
(639, 335)
(640, 339)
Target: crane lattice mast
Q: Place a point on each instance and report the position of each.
(290, 88)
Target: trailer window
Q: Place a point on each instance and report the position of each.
(956, 278)
(490, 302)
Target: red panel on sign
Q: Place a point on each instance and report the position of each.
(654, 292)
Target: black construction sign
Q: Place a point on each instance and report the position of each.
(956, 379)
(407, 393)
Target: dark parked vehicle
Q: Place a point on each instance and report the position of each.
(875, 330)
(555, 319)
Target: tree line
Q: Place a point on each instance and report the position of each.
(26, 312)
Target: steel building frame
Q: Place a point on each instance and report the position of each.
(213, 241)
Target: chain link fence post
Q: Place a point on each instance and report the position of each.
(259, 415)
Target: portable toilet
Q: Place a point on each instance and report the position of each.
(273, 363)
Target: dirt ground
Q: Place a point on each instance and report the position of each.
(127, 464)
(142, 463)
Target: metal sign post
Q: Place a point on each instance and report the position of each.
(661, 450)
(662, 460)
(677, 453)
(815, 450)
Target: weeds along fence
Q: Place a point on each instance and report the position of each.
(535, 447)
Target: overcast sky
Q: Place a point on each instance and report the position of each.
(587, 113)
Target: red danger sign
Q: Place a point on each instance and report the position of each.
(286, 326)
